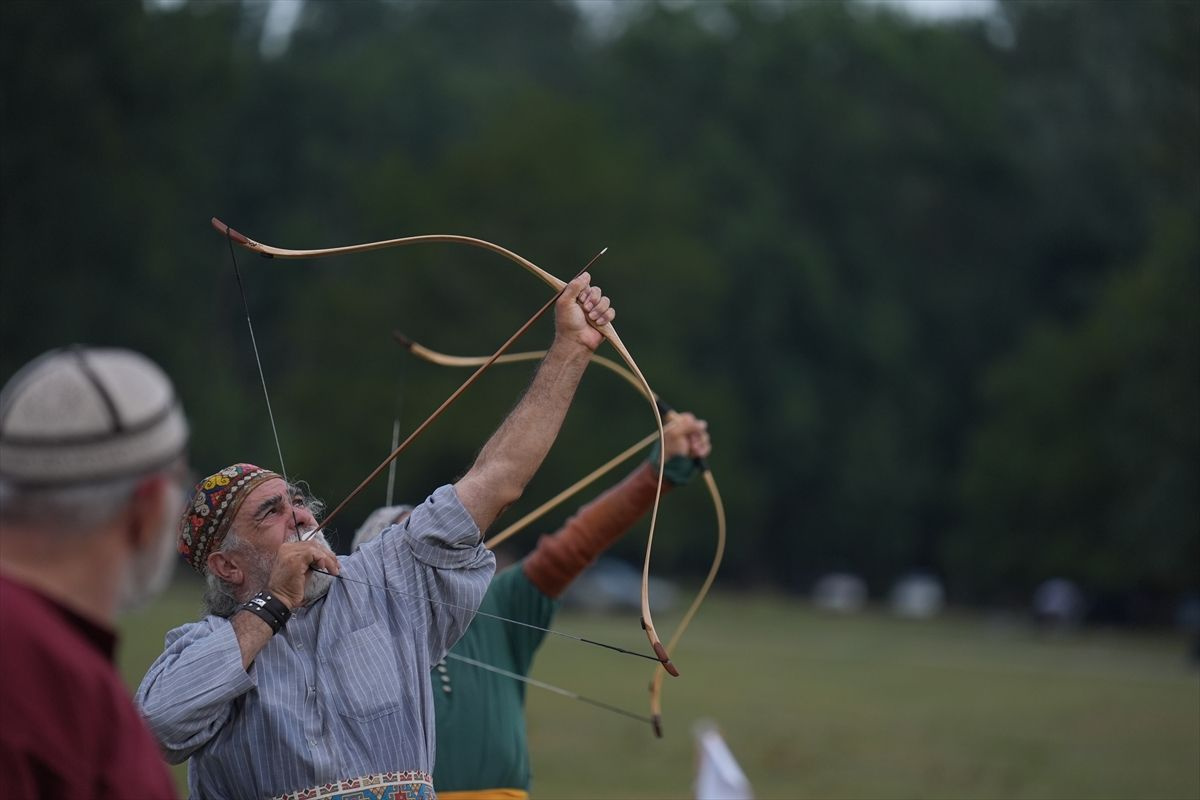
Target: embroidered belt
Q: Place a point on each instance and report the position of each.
(381, 786)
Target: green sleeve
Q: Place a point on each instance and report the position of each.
(516, 598)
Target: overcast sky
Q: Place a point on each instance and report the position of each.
(282, 15)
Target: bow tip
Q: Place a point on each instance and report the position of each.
(665, 660)
(656, 722)
(231, 233)
(404, 341)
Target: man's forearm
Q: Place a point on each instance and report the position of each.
(560, 557)
(514, 452)
(252, 635)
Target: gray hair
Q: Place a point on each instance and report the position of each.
(69, 509)
(220, 596)
(375, 524)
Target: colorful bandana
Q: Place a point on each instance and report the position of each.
(207, 518)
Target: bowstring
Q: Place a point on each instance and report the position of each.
(262, 377)
(550, 687)
(448, 604)
(257, 360)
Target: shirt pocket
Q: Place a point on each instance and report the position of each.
(367, 673)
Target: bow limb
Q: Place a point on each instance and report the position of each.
(445, 360)
(656, 682)
(268, 251)
(570, 491)
(555, 283)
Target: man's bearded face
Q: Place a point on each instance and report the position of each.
(258, 567)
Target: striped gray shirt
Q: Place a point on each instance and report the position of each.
(343, 690)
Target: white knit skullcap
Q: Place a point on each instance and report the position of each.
(82, 414)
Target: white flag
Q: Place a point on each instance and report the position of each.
(718, 776)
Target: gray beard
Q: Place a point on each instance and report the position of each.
(316, 584)
(149, 571)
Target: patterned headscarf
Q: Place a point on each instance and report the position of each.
(207, 518)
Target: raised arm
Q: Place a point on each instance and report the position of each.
(560, 557)
(515, 451)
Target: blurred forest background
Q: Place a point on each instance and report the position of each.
(934, 284)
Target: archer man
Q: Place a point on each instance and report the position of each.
(299, 685)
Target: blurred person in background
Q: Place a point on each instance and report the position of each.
(92, 469)
(480, 715)
(296, 684)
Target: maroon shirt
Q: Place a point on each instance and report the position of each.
(67, 725)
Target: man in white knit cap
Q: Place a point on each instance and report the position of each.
(92, 468)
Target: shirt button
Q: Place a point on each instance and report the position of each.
(445, 679)
(312, 690)
(446, 688)
(442, 668)
(299, 645)
(312, 743)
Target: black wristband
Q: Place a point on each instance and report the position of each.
(270, 609)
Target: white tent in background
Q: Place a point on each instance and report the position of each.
(718, 776)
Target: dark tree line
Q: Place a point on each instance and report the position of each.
(935, 286)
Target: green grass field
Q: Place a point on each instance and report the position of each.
(815, 706)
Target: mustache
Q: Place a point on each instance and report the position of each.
(316, 535)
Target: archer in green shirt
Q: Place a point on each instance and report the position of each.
(482, 750)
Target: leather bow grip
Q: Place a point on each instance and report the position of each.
(240, 238)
